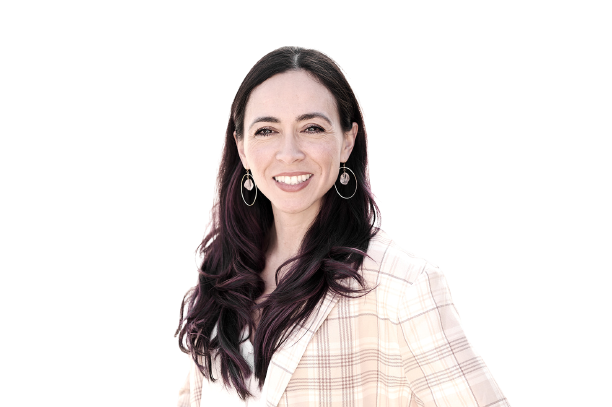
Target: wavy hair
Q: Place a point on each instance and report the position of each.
(234, 249)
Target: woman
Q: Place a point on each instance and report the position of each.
(301, 299)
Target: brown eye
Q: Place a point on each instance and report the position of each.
(314, 129)
(263, 132)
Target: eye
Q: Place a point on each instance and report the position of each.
(264, 131)
(314, 129)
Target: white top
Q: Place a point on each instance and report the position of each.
(216, 394)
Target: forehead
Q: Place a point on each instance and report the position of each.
(288, 95)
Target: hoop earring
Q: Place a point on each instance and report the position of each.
(344, 179)
(248, 184)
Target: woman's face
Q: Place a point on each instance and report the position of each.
(293, 142)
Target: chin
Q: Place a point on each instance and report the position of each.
(293, 208)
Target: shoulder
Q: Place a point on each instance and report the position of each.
(388, 263)
(396, 274)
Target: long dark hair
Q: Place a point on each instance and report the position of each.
(234, 249)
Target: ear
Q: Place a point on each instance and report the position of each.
(348, 143)
(240, 145)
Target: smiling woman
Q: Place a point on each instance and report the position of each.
(294, 147)
(301, 299)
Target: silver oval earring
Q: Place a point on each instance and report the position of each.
(344, 180)
(248, 184)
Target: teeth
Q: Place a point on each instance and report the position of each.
(297, 179)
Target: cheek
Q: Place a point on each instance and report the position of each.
(257, 159)
(329, 160)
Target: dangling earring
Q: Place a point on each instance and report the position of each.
(344, 180)
(248, 184)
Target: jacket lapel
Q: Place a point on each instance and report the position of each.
(285, 360)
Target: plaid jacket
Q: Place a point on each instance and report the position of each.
(399, 345)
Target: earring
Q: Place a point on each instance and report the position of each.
(344, 180)
(248, 184)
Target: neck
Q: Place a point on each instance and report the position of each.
(288, 232)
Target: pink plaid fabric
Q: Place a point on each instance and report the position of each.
(400, 345)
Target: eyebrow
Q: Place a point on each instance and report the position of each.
(305, 116)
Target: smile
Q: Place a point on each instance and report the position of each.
(296, 179)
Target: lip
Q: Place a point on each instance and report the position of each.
(292, 188)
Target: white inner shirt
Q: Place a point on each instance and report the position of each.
(216, 392)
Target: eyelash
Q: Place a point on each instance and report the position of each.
(265, 131)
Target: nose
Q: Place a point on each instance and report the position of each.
(289, 150)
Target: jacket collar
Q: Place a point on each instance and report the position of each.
(285, 359)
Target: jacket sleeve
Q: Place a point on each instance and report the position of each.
(184, 392)
(441, 367)
(183, 399)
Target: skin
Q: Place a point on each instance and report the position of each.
(279, 138)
